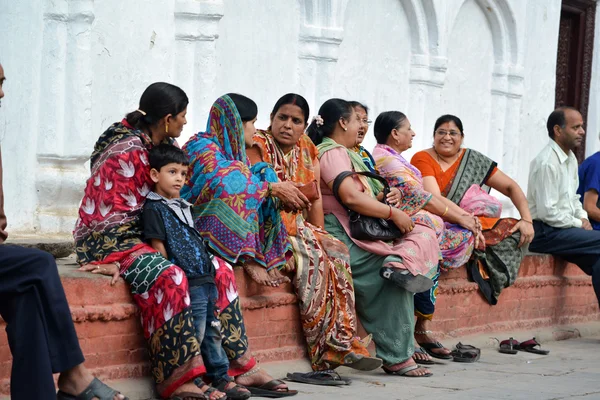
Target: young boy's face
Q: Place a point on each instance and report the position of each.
(169, 179)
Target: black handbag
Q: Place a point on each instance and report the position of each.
(363, 227)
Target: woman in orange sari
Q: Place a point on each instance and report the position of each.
(462, 177)
(323, 279)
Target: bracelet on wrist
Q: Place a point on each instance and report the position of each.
(445, 211)
(530, 222)
(390, 216)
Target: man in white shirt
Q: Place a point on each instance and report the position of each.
(561, 224)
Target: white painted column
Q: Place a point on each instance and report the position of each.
(196, 32)
(319, 51)
(64, 112)
(427, 76)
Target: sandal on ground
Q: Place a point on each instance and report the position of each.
(268, 390)
(407, 281)
(429, 347)
(326, 378)
(237, 392)
(364, 363)
(422, 362)
(96, 389)
(188, 395)
(509, 346)
(405, 370)
(465, 353)
(530, 347)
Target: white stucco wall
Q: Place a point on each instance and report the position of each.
(74, 67)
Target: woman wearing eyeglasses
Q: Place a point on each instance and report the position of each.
(362, 111)
(459, 174)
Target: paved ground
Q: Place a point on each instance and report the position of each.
(571, 370)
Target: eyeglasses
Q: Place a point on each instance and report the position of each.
(366, 121)
(451, 133)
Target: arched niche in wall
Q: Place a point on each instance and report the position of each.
(467, 89)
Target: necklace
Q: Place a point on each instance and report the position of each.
(441, 158)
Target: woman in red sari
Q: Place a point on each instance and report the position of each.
(108, 238)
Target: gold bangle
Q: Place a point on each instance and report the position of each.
(531, 222)
(445, 211)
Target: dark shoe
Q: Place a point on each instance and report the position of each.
(96, 389)
(404, 279)
(235, 393)
(325, 378)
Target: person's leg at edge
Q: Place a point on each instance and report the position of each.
(575, 245)
(424, 310)
(215, 358)
(200, 300)
(40, 329)
(243, 367)
(384, 309)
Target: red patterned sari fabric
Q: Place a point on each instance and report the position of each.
(108, 229)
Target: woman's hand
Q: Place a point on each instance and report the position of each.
(103, 269)
(402, 221)
(468, 222)
(289, 194)
(480, 241)
(394, 197)
(527, 232)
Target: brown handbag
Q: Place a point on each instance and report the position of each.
(310, 190)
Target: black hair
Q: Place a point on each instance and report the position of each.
(385, 123)
(158, 100)
(246, 107)
(355, 104)
(449, 118)
(295, 100)
(164, 154)
(330, 112)
(557, 117)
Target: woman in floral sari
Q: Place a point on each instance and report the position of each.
(459, 175)
(385, 274)
(235, 208)
(323, 278)
(394, 135)
(108, 238)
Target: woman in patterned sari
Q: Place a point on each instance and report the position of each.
(323, 279)
(456, 236)
(459, 175)
(235, 208)
(108, 238)
(385, 274)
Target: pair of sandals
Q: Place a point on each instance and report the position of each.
(461, 353)
(512, 346)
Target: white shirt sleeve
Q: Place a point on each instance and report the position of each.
(547, 199)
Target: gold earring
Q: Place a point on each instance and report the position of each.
(166, 128)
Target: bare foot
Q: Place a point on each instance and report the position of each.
(259, 274)
(75, 380)
(259, 379)
(422, 335)
(415, 372)
(278, 276)
(290, 265)
(418, 356)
